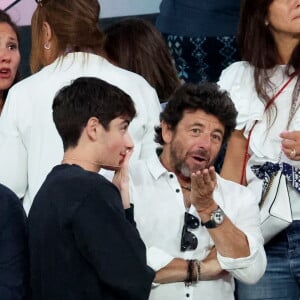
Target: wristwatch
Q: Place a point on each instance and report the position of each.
(216, 219)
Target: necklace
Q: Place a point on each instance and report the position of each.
(186, 187)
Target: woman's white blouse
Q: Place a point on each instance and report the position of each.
(29, 143)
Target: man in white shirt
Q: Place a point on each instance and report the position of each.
(200, 230)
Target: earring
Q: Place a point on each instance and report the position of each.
(47, 46)
(267, 23)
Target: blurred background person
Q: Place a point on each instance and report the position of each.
(14, 275)
(66, 44)
(13, 221)
(201, 35)
(265, 88)
(136, 45)
(9, 55)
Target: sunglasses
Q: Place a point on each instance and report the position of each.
(188, 239)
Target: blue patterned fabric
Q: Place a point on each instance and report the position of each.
(202, 58)
(268, 169)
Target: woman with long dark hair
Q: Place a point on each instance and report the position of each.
(265, 87)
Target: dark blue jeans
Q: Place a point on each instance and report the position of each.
(282, 278)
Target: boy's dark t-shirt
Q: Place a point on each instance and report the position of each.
(81, 244)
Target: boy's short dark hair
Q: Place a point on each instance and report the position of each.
(84, 98)
(203, 96)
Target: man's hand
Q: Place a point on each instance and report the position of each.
(203, 184)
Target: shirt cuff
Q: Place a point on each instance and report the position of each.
(157, 259)
(129, 214)
(246, 269)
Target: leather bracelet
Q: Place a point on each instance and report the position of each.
(190, 268)
(198, 269)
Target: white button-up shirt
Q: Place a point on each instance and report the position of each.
(159, 214)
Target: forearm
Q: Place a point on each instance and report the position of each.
(175, 271)
(234, 158)
(229, 240)
(178, 270)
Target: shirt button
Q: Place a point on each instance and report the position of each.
(187, 295)
(171, 175)
(177, 190)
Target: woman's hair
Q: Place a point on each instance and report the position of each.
(258, 47)
(5, 18)
(74, 24)
(136, 45)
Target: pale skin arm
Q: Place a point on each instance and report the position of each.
(121, 180)
(176, 270)
(228, 239)
(233, 163)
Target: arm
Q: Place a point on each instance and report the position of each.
(13, 249)
(234, 157)
(239, 248)
(112, 245)
(13, 154)
(176, 270)
(247, 269)
(228, 239)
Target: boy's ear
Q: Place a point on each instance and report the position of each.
(91, 128)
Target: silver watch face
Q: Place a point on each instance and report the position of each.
(218, 216)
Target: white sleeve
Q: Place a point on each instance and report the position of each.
(248, 269)
(238, 81)
(13, 154)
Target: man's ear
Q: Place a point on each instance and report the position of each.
(91, 128)
(167, 132)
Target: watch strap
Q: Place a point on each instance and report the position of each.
(209, 224)
(213, 223)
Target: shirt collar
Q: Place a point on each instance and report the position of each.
(155, 166)
(157, 169)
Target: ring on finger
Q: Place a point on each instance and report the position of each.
(293, 153)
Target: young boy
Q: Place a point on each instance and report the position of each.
(82, 245)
